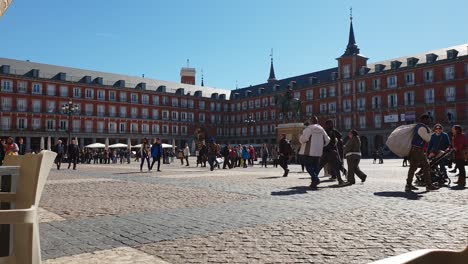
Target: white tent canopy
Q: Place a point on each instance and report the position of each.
(95, 145)
(118, 145)
(164, 145)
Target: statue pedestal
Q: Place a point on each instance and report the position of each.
(292, 131)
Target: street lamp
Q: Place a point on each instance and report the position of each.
(249, 121)
(69, 109)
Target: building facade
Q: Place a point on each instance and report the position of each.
(372, 98)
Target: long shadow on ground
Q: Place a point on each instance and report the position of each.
(407, 195)
(293, 191)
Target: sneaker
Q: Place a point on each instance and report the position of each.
(286, 173)
(363, 179)
(431, 188)
(409, 188)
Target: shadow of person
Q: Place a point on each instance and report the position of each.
(292, 191)
(407, 195)
(268, 178)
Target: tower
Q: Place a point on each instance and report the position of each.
(272, 77)
(187, 74)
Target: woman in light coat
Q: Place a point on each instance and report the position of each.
(352, 152)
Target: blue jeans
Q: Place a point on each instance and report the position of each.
(312, 166)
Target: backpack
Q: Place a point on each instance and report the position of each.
(399, 141)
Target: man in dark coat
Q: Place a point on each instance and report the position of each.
(73, 153)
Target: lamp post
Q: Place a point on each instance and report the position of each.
(250, 121)
(69, 109)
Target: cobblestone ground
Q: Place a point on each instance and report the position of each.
(117, 214)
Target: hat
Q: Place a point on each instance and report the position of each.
(437, 126)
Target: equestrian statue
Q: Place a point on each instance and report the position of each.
(286, 103)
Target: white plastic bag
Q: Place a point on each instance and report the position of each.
(399, 141)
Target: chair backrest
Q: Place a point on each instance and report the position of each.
(34, 170)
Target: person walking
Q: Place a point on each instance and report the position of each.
(59, 149)
(330, 154)
(213, 152)
(225, 153)
(73, 152)
(186, 154)
(275, 156)
(264, 154)
(352, 152)
(21, 147)
(144, 153)
(439, 142)
(284, 153)
(313, 139)
(245, 156)
(417, 158)
(459, 145)
(156, 153)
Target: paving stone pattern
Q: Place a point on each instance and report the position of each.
(191, 215)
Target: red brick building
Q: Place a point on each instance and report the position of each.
(372, 98)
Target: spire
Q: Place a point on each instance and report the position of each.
(351, 48)
(202, 84)
(272, 77)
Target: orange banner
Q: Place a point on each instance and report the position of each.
(4, 4)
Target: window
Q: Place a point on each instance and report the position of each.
(378, 121)
(76, 125)
(428, 76)
(76, 92)
(145, 128)
(155, 100)
(175, 130)
(361, 104)
(145, 99)
(175, 115)
(122, 127)
(183, 103)
(134, 128)
(165, 100)
(218, 107)
(251, 104)
(144, 113)
(89, 109)
(361, 86)
(331, 91)
(409, 78)
(112, 126)
(64, 91)
(347, 105)
(134, 98)
(165, 130)
(134, 112)
(175, 102)
(272, 101)
(323, 93)
(190, 117)
(201, 105)
(63, 125)
(466, 69)
(409, 98)
(323, 108)
(212, 107)
(89, 93)
(332, 108)
(273, 114)
(392, 100)
(123, 111)
(201, 118)
(362, 122)
(376, 84)
(309, 95)
(346, 71)
(244, 105)
(112, 96)
(297, 95)
(155, 129)
(51, 107)
(450, 94)
(51, 89)
(36, 123)
(309, 110)
(165, 115)
(37, 88)
(101, 95)
(100, 127)
(21, 123)
(265, 100)
(190, 104)
(22, 87)
(89, 126)
(347, 123)
(391, 81)
(183, 116)
(7, 86)
(429, 96)
(257, 103)
(449, 72)
(183, 130)
(346, 89)
(112, 110)
(123, 97)
(376, 102)
(155, 114)
(6, 123)
(101, 111)
(21, 105)
(36, 106)
(6, 104)
(50, 124)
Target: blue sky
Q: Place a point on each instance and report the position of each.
(229, 40)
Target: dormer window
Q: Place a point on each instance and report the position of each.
(431, 58)
(379, 67)
(452, 54)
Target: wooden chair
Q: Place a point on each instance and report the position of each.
(428, 256)
(33, 172)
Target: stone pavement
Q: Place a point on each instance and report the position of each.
(117, 214)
